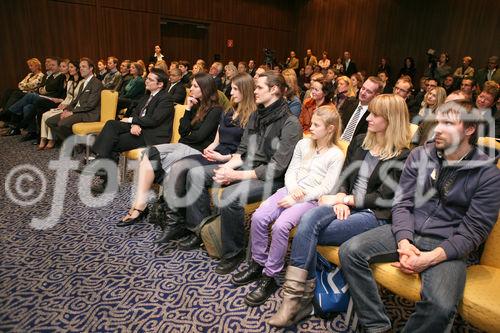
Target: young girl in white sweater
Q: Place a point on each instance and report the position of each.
(313, 171)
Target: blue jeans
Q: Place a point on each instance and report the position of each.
(442, 284)
(321, 226)
(24, 106)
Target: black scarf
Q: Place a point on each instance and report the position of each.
(268, 115)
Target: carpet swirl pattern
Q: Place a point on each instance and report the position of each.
(86, 275)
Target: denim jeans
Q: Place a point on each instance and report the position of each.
(321, 226)
(442, 284)
(24, 106)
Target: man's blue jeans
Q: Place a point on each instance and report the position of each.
(24, 106)
(321, 226)
(442, 284)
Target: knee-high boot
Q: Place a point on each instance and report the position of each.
(297, 298)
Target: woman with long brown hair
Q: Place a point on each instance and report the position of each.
(231, 126)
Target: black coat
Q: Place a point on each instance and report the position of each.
(157, 122)
(346, 111)
(178, 93)
(378, 188)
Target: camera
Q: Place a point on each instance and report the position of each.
(268, 57)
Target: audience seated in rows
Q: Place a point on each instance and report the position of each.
(313, 172)
(197, 129)
(191, 170)
(73, 89)
(84, 108)
(50, 92)
(430, 237)
(362, 202)
(30, 83)
(235, 147)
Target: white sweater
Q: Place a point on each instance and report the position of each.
(316, 174)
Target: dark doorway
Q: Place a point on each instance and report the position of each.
(184, 40)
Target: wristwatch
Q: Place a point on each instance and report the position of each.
(346, 200)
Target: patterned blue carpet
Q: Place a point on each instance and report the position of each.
(86, 275)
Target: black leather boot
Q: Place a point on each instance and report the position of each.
(251, 273)
(265, 288)
(173, 227)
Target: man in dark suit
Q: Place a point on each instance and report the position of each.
(175, 87)
(84, 108)
(354, 112)
(490, 72)
(150, 124)
(349, 65)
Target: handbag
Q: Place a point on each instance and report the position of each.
(332, 292)
(157, 212)
(210, 232)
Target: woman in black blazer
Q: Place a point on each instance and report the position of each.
(369, 177)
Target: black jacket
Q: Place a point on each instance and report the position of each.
(379, 188)
(178, 92)
(54, 86)
(346, 110)
(186, 80)
(156, 124)
(201, 134)
(269, 140)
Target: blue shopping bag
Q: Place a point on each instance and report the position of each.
(332, 292)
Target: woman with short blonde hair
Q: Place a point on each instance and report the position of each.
(344, 91)
(230, 71)
(397, 135)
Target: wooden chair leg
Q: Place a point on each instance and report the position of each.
(87, 149)
(123, 168)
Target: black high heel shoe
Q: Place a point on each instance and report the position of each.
(142, 215)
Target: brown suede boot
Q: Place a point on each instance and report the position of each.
(293, 292)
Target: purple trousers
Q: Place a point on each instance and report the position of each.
(284, 220)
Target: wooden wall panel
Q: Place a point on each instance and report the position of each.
(184, 42)
(72, 32)
(368, 28)
(129, 34)
(371, 29)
